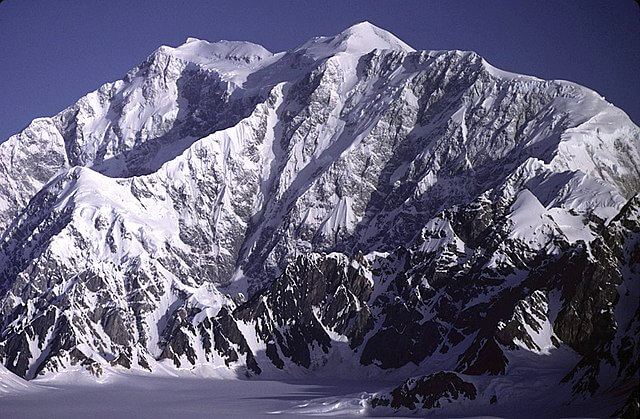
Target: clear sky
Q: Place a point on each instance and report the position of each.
(53, 52)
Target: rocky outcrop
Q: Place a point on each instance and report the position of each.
(426, 393)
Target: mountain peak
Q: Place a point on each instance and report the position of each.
(232, 60)
(365, 35)
(357, 39)
(195, 48)
(363, 27)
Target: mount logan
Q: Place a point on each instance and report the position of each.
(351, 207)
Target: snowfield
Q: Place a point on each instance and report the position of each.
(217, 394)
(72, 395)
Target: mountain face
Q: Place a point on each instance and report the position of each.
(350, 206)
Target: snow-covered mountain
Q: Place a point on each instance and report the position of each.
(350, 206)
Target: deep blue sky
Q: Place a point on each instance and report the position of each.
(53, 52)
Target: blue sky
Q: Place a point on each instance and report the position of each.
(53, 52)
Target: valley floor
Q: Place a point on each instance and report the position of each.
(74, 394)
(176, 397)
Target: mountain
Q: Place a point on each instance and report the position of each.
(351, 207)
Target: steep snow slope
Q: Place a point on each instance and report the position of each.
(12, 384)
(349, 202)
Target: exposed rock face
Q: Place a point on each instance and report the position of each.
(385, 210)
(427, 392)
